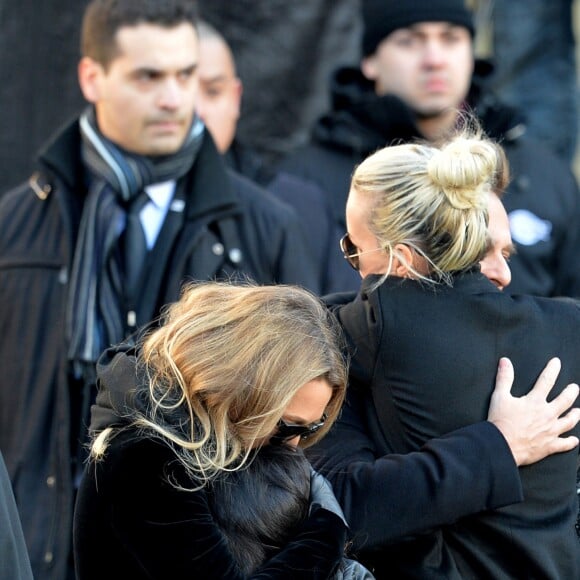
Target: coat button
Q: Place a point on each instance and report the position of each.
(48, 557)
(50, 480)
(523, 182)
(235, 255)
(218, 249)
(63, 275)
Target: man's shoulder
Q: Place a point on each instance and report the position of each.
(534, 154)
(257, 199)
(314, 158)
(17, 203)
(57, 159)
(328, 169)
(538, 173)
(15, 195)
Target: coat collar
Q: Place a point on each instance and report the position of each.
(468, 282)
(208, 185)
(361, 121)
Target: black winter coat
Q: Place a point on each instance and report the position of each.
(424, 363)
(230, 228)
(542, 199)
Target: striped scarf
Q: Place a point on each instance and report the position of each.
(96, 316)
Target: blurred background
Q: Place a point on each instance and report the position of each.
(285, 53)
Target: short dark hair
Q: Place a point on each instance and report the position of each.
(104, 18)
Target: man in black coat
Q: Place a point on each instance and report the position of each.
(219, 106)
(86, 258)
(408, 88)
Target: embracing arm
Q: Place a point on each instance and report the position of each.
(389, 497)
(472, 469)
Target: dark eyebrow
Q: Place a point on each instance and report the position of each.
(155, 72)
(146, 70)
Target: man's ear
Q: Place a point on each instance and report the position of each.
(368, 67)
(239, 91)
(89, 73)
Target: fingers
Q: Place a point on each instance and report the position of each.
(547, 379)
(565, 399)
(565, 424)
(505, 376)
(562, 444)
(568, 421)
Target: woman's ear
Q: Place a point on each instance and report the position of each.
(403, 259)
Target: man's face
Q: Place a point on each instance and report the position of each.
(428, 65)
(500, 247)
(145, 100)
(220, 91)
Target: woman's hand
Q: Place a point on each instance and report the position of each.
(531, 425)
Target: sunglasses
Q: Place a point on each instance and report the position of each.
(351, 253)
(286, 431)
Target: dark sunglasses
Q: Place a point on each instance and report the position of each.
(351, 253)
(286, 431)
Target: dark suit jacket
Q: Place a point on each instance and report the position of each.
(424, 364)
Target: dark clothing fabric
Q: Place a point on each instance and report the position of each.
(130, 515)
(219, 225)
(542, 199)
(322, 235)
(312, 205)
(14, 561)
(248, 162)
(130, 522)
(106, 271)
(398, 403)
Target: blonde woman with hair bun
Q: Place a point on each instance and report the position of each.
(428, 334)
(427, 207)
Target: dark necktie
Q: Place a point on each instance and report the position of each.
(135, 247)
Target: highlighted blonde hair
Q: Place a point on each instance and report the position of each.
(433, 199)
(226, 362)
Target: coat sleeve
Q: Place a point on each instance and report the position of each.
(386, 498)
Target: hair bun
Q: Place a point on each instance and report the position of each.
(463, 169)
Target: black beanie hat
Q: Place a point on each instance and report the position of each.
(381, 17)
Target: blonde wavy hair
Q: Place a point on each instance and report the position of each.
(434, 199)
(224, 364)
